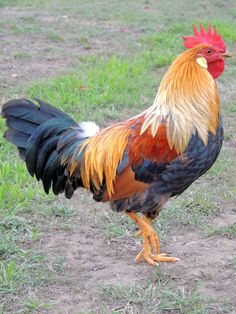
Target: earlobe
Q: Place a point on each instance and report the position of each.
(202, 62)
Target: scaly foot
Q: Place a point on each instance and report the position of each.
(151, 249)
(155, 259)
(151, 244)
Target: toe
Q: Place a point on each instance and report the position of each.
(139, 257)
(149, 260)
(164, 258)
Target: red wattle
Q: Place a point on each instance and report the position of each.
(216, 68)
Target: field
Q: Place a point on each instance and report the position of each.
(103, 60)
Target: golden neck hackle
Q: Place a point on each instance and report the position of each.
(187, 101)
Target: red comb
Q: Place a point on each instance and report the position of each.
(203, 36)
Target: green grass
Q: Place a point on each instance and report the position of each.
(33, 305)
(21, 55)
(101, 87)
(17, 189)
(26, 268)
(155, 295)
(6, 2)
(84, 42)
(140, 39)
(228, 231)
(54, 37)
(117, 225)
(148, 297)
(24, 27)
(21, 264)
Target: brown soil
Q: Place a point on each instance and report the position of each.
(45, 57)
(91, 260)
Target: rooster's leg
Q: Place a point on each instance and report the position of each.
(148, 221)
(151, 245)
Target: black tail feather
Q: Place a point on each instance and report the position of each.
(18, 124)
(45, 150)
(36, 131)
(17, 138)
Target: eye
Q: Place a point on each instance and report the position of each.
(208, 51)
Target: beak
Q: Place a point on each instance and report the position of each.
(227, 55)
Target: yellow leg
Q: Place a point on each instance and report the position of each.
(148, 221)
(151, 245)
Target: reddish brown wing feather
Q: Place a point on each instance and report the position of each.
(125, 185)
(141, 147)
(146, 146)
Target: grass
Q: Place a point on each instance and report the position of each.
(24, 26)
(153, 294)
(101, 89)
(117, 225)
(21, 55)
(54, 37)
(228, 231)
(33, 305)
(140, 39)
(145, 297)
(25, 271)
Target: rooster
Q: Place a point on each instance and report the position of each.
(137, 164)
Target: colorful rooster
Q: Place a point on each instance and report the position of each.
(137, 164)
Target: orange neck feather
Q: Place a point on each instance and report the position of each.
(187, 100)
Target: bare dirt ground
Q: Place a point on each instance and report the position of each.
(49, 55)
(91, 261)
(36, 62)
(90, 258)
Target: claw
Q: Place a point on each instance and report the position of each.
(151, 245)
(144, 255)
(153, 259)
